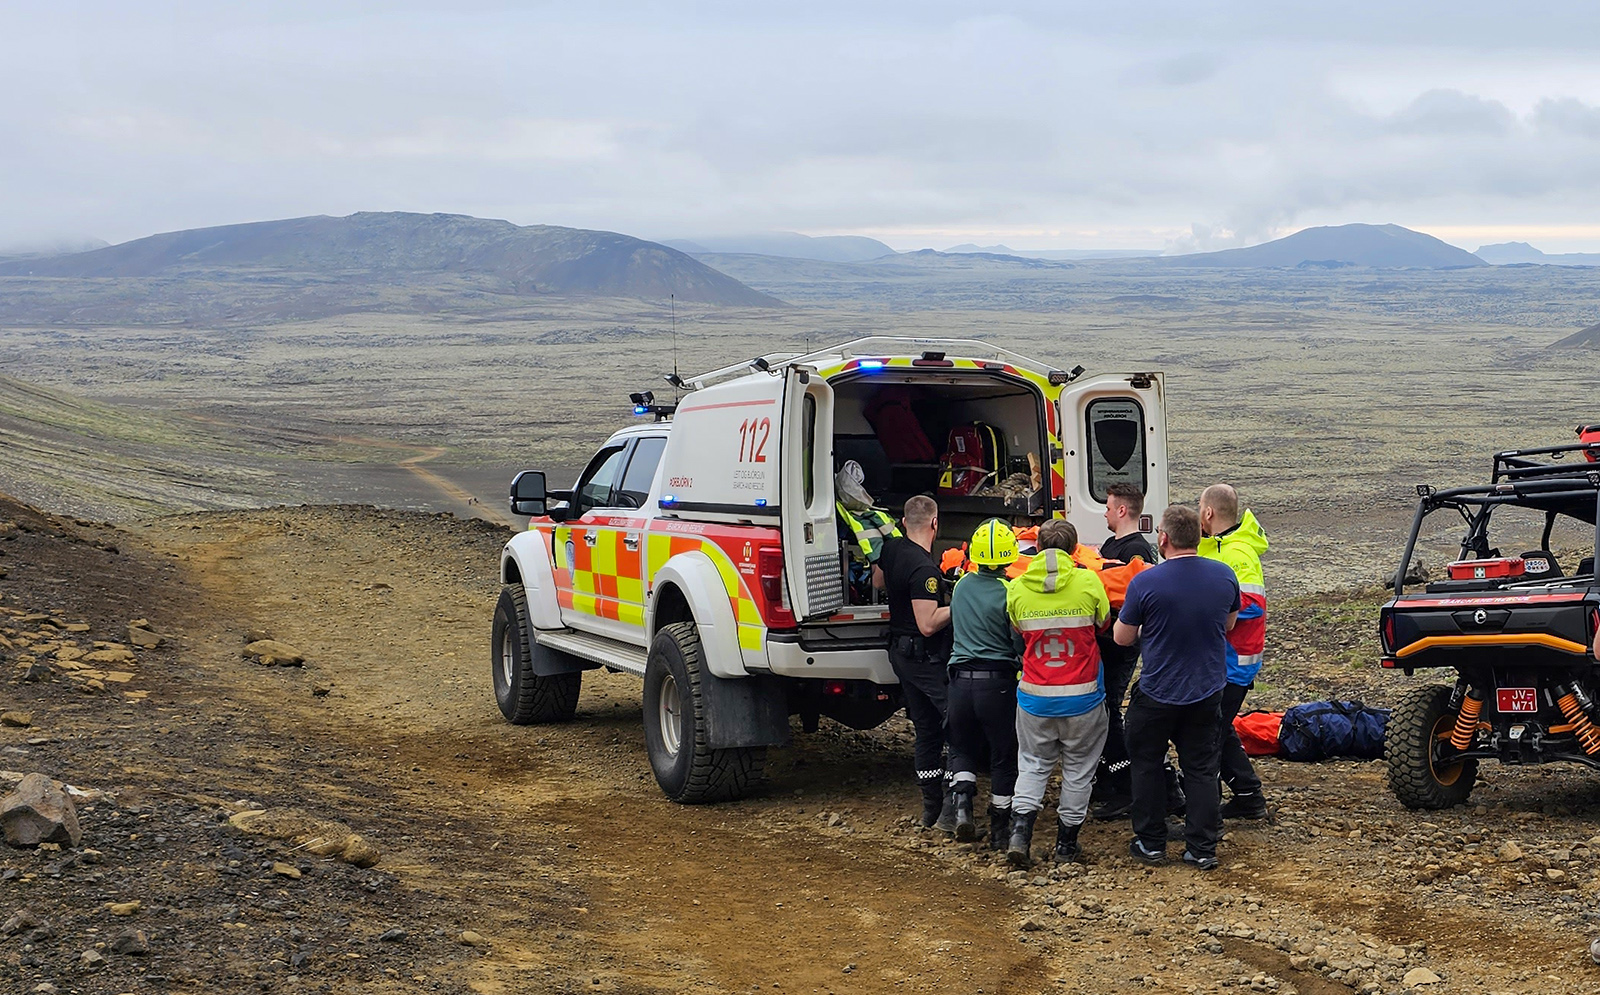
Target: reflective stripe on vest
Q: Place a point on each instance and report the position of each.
(1058, 690)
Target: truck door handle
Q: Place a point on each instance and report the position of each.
(630, 542)
(590, 537)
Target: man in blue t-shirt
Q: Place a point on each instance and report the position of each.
(1179, 612)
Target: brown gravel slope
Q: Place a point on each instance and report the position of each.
(554, 846)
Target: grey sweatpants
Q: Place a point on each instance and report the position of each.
(1073, 740)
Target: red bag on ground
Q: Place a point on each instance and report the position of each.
(1258, 731)
(898, 430)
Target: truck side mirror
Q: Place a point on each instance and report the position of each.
(527, 493)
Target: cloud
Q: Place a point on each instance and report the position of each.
(1230, 123)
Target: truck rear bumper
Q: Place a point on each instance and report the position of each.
(788, 657)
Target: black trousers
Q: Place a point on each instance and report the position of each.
(1120, 663)
(982, 722)
(1237, 772)
(924, 684)
(1194, 730)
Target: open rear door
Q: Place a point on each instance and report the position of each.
(1114, 428)
(810, 533)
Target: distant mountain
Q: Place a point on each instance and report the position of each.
(53, 247)
(793, 245)
(537, 259)
(1377, 246)
(1002, 250)
(1589, 338)
(933, 259)
(1512, 253)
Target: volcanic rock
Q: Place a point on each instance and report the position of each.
(38, 811)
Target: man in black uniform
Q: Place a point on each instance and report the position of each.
(1113, 789)
(919, 646)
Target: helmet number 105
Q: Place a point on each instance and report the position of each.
(753, 435)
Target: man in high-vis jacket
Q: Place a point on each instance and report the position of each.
(1238, 542)
(1057, 606)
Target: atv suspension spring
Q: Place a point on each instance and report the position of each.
(1582, 728)
(1466, 729)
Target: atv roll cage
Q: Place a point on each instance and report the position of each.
(1526, 478)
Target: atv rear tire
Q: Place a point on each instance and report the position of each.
(689, 771)
(523, 696)
(1419, 776)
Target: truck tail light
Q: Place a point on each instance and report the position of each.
(775, 607)
(1594, 632)
(1388, 632)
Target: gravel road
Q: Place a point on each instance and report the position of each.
(544, 859)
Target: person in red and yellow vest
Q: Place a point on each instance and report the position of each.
(1061, 718)
(1238, 542)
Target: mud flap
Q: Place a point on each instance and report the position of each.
(745, 711)
(549, 662)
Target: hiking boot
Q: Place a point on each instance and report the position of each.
(1198, 862)
(966, 829)
(1177, 804)
(933, 796)
(1067, 849)
(1144, 855)
(1019, 849)
(1245, 805)
(1114, 807)
(946, 822)
(999, 827)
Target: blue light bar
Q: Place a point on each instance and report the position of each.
(641, 409)
(871, 364)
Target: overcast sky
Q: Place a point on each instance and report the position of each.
(1038, 125)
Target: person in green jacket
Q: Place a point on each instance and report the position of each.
(982, 710)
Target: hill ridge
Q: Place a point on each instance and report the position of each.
(530, 260)
(1387, 246)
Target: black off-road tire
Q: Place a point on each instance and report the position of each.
(689, 771)
(1416, 777)
(523, 696)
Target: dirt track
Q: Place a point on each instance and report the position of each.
(554, 843)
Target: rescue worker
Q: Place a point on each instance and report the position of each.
(983, 684)
(919, 647)
(1238, 542)
(1057, 606)
(1180, 612)
(1124, 505)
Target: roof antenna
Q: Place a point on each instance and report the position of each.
(675, 380)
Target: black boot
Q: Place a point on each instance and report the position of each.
(946, 823)
(999, 827)
(1246, 805)
(933, 795)
(1019, 850)
(966, 829)
(1177, 804)
(1117, 798)
(1067, 849)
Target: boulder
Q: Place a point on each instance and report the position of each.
(16, 720)
(133, 943)
(144, 639)
(38, 811)
(271, 653)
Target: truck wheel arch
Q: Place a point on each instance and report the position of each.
(525, 561)
(689, 588)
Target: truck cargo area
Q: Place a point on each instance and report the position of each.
(929, 404)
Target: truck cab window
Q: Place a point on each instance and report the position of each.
(594, 487)
(641, 472)
(1116, 445)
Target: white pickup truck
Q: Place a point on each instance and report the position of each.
(703, 551)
